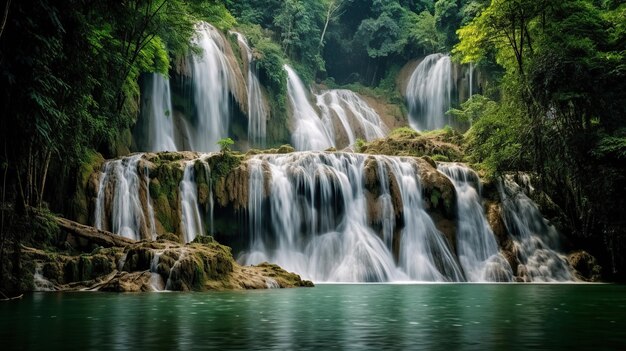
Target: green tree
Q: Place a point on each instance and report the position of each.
(225, 144)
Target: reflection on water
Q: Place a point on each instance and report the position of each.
(449, 316)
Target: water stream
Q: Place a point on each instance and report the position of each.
(429, 93)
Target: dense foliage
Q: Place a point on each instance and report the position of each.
(563, 106)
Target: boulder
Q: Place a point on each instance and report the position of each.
(585, 266)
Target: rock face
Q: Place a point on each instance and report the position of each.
(157, 265)
(586, 266)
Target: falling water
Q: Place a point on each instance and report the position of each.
(318, 226)
(192, 219)
(536, 241)
(257, 111)
(471, 79)
(119, 205)
(211, 79)
(429, 91)
(477, 248)
(356, 117)
(309, 131)
(158, 114)
(156, 281)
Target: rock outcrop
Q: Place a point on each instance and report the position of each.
(153, 266)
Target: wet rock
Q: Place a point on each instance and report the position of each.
(585, 266)
(129, 282)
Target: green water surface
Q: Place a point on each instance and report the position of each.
(360, 316)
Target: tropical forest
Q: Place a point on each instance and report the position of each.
(313, 174)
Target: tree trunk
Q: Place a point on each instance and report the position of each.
(44, 177)
(4, 19)
(97, 236)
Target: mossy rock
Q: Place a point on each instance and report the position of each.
(138, 259)
(170, 156)
(203, 239)
(168, 237)
(286, 149)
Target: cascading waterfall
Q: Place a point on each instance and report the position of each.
(120, 205)
(157, 111)
(356, 117)
(471, 79)
(340, 108)
(211, 81)
(257, 111)
(318, 226)
(477, 248)
(536, 242)
(193, 220)
(309, 131)
(429, 92)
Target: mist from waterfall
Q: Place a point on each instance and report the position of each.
(429, 91)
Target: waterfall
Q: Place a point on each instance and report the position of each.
(309, 131)
(471, 80)
(211, 81)
(340, 108)
(192, 219)
(536, 242)
(257, 110)
(119, 205)
(317, 223)
(355, 116)
(157, 112)
(429, 92)
(477, 248)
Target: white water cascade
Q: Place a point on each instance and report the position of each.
(122, 195)
(193, 219)
(157, 111)
(355, 116)
(429, 92)
(317, 223)
(477, 248)
(257, 109)
(345, 116)
(535, 240)
(309, 132)
(212, 78)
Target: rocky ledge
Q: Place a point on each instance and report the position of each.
(154, 266)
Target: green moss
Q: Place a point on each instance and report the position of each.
(435, 196)
(222, 164)
(155, 188)
(203, 239)
(403, 132)
(84, 268)
(285, 149)
(440, 158)
(163, 213)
